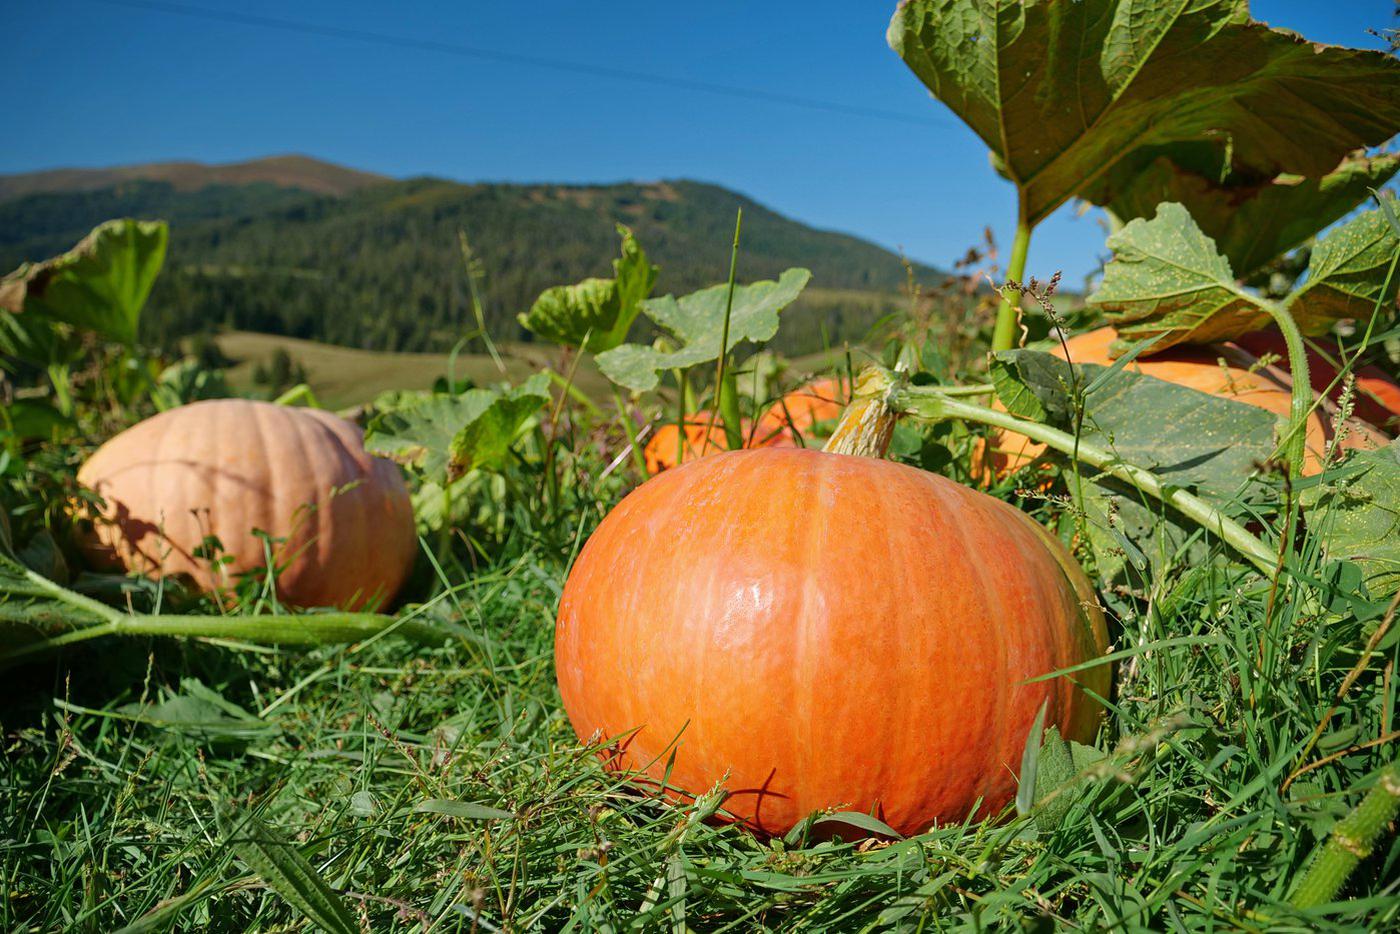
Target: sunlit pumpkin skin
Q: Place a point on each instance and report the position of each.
(227, 467)
(804, 408)
(1377, 399)
(662, 452)
(1200, 368)
(832, 631)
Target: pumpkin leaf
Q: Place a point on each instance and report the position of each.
(1347, 273)
(1357, 516)
(595, 312)
(100, 285)
(1252, 220)
(284, 869)
(1085, 84)
(696, 321)
(1061, 767)
(1166, 278)
(446, 435)
(1192, 440)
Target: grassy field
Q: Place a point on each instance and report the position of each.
(343, 377)
(441, 789)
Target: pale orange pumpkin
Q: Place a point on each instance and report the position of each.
(1223, 370)
(827, 631)
(229, 467)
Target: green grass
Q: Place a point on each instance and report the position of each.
(132, 770)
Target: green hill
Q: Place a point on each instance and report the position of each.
(377, 264)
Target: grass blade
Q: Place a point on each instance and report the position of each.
(283, 868)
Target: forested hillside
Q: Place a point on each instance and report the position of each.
(382, 268)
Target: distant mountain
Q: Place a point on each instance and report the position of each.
(377, 264)
(292, 171)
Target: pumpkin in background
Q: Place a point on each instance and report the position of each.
(661, 451)
(804, 408)
(1377, 398)
(1199, 368)
(831, 631)
(226, 467)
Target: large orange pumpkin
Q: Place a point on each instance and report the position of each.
(804, 408)
(1199, 367)
(228, 467)
(829, 631)
(662, 452)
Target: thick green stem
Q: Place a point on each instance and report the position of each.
(1351, 841)
(272, 629)
(868, 422)
(1295, 439)
(929, 403)
(729, 411)
(1009, 312)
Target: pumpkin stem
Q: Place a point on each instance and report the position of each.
(867, 424)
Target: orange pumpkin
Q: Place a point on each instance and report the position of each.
(1377, 397)
(828, 630)
(661, 451)
(1199, 368)
(227, 467)
(802, 409)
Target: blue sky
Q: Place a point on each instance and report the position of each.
(93, 82)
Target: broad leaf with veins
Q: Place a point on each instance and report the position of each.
(444, 436)
(1061, 91)
(101, 284)
(595, 312)
(696, 321)
(1252, 220)
(1167, 278)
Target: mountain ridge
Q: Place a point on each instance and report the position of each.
(380, 266)
(291, 170)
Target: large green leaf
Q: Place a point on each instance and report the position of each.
(1357, 516)
(696, 321)
(1252, 220)
(1189, 439)
(444, 436)
(1061, 91)
(1347, 273)
(101, 284)
(596, 311)
(1167, 278)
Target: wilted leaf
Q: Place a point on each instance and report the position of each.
(446, 435)
(1357, 517)
(599, 311)
(1060, 91)
(1346, 273)
(101, 284)
(1167, 278)
(696, 321)
(1251, 219)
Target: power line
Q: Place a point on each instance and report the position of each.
(513, 58)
